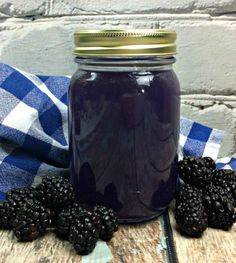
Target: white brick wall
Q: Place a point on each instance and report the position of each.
(206, 60)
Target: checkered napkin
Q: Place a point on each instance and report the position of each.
(34, 134)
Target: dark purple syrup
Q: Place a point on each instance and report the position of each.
(123, 134)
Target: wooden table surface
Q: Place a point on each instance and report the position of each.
(130, 244)
(215, 246)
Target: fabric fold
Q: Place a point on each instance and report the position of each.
(34, 134)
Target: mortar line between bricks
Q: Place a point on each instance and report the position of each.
(51, 2)
(204, 107)
(209, 97)
(108, 17)
(47, 7)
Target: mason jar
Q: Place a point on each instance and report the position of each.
(124, 112)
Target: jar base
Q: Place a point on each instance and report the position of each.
(142, 219)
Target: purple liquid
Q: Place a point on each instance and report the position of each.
(123, 130)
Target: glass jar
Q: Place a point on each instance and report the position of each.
(124, 111)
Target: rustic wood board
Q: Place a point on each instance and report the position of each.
(135, 243)
(215, 246)
(130, 244)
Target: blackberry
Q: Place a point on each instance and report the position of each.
(65, 219)
(32, 220)
(108, 220)
(190, 214)
(14, 199)
(209, 163)
(5, 215)
(190, 160)
(226, 179)
(219, 205)
(16, 193)
(83, 234)
(187, 192)
(193, 171)
(55, 192)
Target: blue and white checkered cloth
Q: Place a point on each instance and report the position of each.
(34, 134)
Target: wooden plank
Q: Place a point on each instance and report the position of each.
(132, 243)
(137, 243)
(43, 250)
(215, 246)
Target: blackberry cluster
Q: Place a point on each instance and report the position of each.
(65, 218)
(83, 234)
(63, 221)
(226, 178)
(14, 199)
(21, 193)
(32, 212)
(187, 192)
(209, 162)
(72, 222)
(56, 192)
(108, 219)
(196, 172)
(32, 220)
(207, 198)
(219, 206)
(190, 214)
(6, 212)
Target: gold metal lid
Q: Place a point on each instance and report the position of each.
(125, 43)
